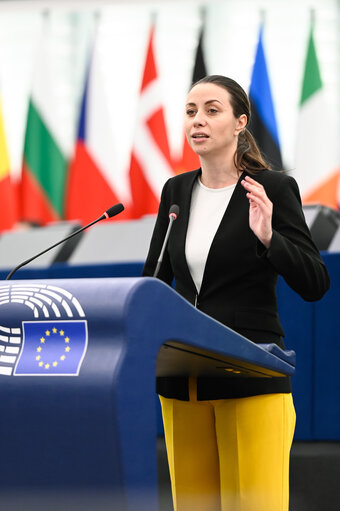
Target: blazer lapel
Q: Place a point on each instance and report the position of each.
(183, 226)
(229, 220)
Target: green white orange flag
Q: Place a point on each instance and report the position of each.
(44, 162)
(315, 169)
(7, 191)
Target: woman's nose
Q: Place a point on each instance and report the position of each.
(199, 119)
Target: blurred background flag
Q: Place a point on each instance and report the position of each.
(151, 164)
(315, 163)
(44, 161)
(189, 160)
(90, 187)
(263, 124)
(8, 205)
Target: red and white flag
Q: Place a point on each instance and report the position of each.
(150, 165)
(92, 184)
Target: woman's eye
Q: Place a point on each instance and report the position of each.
(190, 112)
(212, 110)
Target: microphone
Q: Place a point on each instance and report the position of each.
(173, 214)
(113, 211)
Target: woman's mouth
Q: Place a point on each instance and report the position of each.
(198, 137)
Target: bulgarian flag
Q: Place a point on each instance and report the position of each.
(44, 162)
(43, 171)
(7, 193)
(315, 170)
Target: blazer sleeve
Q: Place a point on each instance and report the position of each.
(157, 239)
(292, 251)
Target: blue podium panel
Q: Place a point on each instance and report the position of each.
(326, 417)
(78, 360)
(68, 271)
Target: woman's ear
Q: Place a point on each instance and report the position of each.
(241, 123)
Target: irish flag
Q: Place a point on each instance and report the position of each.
(315, 169)
(7, 194)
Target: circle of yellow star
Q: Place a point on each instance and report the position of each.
(43, 342)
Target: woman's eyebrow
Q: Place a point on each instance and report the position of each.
(206, 103)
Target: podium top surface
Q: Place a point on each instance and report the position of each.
(137, 316)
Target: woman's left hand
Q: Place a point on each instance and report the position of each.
(260, 210)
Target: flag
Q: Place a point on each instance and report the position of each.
(150, 164)
(44, 161)
(315, 169)
(52, 348)
(90, 189)
(327, 191)
(189, 159)
(8, 204)
(91, 184)
(263, 121)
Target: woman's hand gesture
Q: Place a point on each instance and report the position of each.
(260, 210)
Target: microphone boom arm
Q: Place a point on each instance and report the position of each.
(114, 210)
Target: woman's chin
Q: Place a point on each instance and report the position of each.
(200, 150)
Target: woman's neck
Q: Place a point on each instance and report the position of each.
(218, 174)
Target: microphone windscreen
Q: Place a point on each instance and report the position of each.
(114, 210)
(174, 210)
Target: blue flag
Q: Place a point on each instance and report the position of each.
(52, 348)
(263, 121)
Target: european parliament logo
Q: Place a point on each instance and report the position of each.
(50, 340)
(52, 348)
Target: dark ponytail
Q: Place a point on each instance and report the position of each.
(248, 156)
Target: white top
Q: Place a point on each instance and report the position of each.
(208, 206)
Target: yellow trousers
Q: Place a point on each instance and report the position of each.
(229, 454)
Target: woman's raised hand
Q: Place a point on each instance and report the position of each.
(260, 210)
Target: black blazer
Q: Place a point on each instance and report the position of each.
(239, 281)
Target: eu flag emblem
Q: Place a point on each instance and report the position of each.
(52, 348)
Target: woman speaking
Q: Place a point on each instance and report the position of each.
(241, 225)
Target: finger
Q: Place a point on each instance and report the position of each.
(252, 181)
(257, 190)
(259, 194)
(252, 185)
(263, 202)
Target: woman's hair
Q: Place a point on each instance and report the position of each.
(247, 156)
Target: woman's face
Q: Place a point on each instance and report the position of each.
(210, 125)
